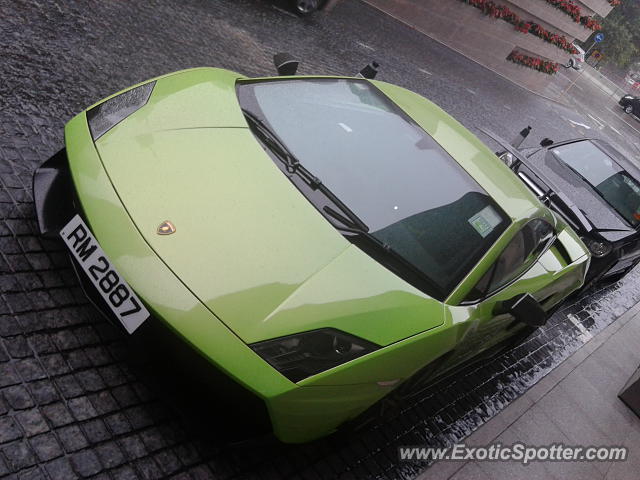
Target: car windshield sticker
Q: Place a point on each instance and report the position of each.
(485, 221)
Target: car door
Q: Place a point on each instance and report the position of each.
(635, 103)
(517, 270)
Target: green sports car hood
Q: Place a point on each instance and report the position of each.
(247, 243)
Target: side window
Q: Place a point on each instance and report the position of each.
(519, 255)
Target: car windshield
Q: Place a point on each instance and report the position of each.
(608, 178)
(411, 194)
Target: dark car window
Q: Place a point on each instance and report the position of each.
(397, 179)
(519, 255)
(606, 176)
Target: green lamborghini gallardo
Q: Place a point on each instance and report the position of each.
(319, 241)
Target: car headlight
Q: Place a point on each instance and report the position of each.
(598, 248)
(108, 114)
(304, 354)
(507, 158)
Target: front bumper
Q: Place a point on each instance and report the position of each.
(298, 412)
(52, 194)
(627, 257)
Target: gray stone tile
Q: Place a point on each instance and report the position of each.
(538, 429)
(630, 332)
(46, 446)
(625, 353)
(599, 408)
(569, 417)
(582, 354)
(9, 429)
(628, 469)
(492, 429)
(515, 470)
(471, 471)
(516, 409)
(572, 420)
(32, 422)
(603, 373)
(577, 470)
(86, 463)
(442, 470)
(549, 381)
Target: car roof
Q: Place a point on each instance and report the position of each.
(463, 146)
(593, 206)
(609, 150)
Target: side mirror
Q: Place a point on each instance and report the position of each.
(546, 142)
(285, 64)
(526, 309)
(519, 140)
(370, 71)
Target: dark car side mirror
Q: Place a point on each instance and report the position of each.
(526, 309)
(370, 71)
(285, 64)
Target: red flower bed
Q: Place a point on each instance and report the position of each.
(568, 7)
(590, 23)
(573, 10)
(614, 3)
(492, 9)
(536, 63)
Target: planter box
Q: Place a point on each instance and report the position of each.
(556, 19)
(601, 7)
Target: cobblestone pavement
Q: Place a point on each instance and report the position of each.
(74, 402)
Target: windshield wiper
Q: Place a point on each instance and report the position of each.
(272, 141)
(293, 166)
(382, 248)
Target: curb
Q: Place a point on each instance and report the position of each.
(498, 424)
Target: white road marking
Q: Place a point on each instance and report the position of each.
(346, 127)
(507, 107)
(286, 12)
(426, 72)
(615, 130)
(472, 92)
(364, 45)
(595, 119)
(579, 124)
(585, 334)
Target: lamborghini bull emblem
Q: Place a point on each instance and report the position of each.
(166, 228)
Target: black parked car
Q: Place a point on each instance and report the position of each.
(630, 104)
(595, 189)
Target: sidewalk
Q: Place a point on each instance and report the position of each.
(575, 404)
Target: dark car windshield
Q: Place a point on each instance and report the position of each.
(606, 176)
(410, 193)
